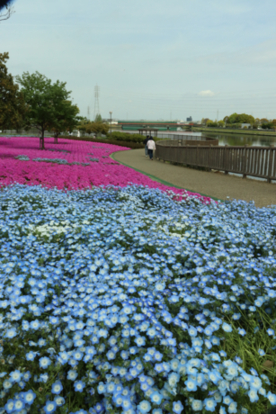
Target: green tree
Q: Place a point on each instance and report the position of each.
(65, 118)
(97, 128)
(211, 123)
(98, 118)
(44, 100)
(221, 124)
(240, 119)
(267, 125)
(12, 104)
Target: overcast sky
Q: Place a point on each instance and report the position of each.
(152, 59)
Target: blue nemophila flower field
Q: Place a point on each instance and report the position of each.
(124, 300)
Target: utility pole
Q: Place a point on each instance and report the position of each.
(96, 101)
(88, 113)
(110, 113)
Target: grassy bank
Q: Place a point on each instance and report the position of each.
(235, 131)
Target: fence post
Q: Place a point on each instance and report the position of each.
(270, 164)
(208, 162)
(244, 175)
(224, 159)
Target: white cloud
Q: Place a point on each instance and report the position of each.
(206, 93)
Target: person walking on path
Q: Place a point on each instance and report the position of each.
(151, 147)
(146, 147)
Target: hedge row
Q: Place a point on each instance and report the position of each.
(121, 143)
(125, 136)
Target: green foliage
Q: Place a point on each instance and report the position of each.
(221, 124)
(211, 124)
(66, 118)
(96, 128)
(240, 118)
(234, 126)
(47, 104)
(129, 144)
(98, 118)
(124, 136)
(268, 125)
(12, 104)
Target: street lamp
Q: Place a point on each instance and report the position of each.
(110, 113)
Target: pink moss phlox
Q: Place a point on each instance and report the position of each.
(71, 177)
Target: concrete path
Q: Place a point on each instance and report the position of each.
(217, 185)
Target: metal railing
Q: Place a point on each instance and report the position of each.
(248, 161)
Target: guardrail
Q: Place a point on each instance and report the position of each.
(248, 161)
(186, 142)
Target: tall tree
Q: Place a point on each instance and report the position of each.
(65, 118)
(12, 104)
(6, 9)
(46, 102)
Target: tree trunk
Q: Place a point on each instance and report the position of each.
(41, 139)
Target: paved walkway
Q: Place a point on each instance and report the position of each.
(217, 185)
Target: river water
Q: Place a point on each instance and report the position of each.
(239, 139)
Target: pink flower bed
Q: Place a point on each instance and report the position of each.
(104, 172)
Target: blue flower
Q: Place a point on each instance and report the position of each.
(9, 407)
(210, 404)
(177, 407)
(57, 387)
(11, 333)
(271, 397)
(29, 397)
(232, 408)
(191, 384)
(15, 376)
(59, 400)
(226, 327)
(144, 407)
(156, 398)
(197, 405)
(44, 362)
(50, 407)
(72, 375)
(101, 388)
(18, 405)
(79, 386)
(140, 341)
(252, 393)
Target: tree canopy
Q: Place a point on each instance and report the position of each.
(49, 107)
(96, 127)
(4, 3)
(12, 104)
(239, 119)
(6, 9)
(65, 117)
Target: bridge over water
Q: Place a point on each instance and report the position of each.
(158, 125)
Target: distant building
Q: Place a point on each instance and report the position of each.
(189, 119)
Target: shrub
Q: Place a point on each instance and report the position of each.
(125, 143)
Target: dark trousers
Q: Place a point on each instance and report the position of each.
(150, 154)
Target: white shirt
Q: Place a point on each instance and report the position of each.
(151, 145)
